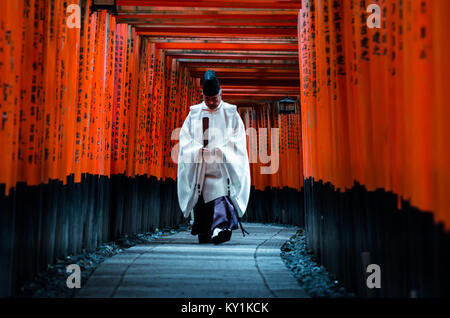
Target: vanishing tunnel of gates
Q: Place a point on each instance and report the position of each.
(87, 116)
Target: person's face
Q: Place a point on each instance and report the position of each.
(212, 101)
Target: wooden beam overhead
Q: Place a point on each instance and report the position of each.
(251, 77)
(242, 65)
(237, 20)
(229, 46)
(256, 62)
(230, 82)
(245, 87)
(252, 45)
(208, 23)
(271, 91)
(255, 95)
(261, 4)
(228, 40)
(253, 100)
(248, 70)
(190, 54)
(246, 15)
(217, 32)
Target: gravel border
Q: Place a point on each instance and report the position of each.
(52, 282)
(313, 278)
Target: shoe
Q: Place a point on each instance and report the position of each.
(223, 235)
(216, 232)
(204, 238)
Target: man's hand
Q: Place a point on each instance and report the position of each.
(206, 154)
(206, 151)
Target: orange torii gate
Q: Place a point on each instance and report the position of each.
(364, 158)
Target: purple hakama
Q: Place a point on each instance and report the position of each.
(218, 213)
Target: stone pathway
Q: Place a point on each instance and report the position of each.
(177, 266)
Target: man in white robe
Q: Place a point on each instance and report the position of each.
(213, 176)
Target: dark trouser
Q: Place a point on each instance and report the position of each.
(218, 213)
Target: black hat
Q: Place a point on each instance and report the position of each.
(211, 86)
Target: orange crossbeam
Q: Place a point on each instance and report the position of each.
(229, 46)
(253, 95)
(240, 64)
(250, 56)
(262, 4)
(209, 23)
(217, 32)
(238, 17)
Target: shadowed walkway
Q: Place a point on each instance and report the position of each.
(177, 266)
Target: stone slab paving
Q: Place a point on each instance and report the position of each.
(177, 266)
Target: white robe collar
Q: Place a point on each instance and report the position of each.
(205, 107)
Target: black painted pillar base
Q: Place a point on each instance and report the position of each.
(39, 224)
(284, 206)
(348, 230)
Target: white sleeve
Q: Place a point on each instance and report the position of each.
(189, 156)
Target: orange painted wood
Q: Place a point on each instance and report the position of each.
(217, 31)
(229, 46)
(268, 4)
(370, 99)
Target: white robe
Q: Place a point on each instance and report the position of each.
(228, 146)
